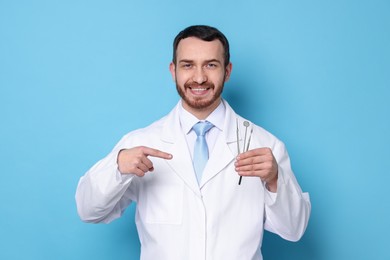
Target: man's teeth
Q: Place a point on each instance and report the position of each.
(199, 89)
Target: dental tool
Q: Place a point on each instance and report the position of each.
(245, 149)
(238, 140)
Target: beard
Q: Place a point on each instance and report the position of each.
(199, 102)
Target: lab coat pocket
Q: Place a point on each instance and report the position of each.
(164, 203)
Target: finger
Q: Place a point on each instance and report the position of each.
(259, 159)
(262, 174)
(249, 169)
(252, 160)
(143, 167)
(138, 172)
(147, 163)
(156, 153)
(254, 168)
(255, 152)
(247, 161)
(140, 169)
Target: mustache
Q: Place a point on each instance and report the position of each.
(194, 85)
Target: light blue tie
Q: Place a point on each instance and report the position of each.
(201, 151)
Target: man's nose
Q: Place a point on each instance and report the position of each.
(200, 76)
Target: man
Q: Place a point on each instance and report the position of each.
(186, 211)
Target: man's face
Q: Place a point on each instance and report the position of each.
(200, 74)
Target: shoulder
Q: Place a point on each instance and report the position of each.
(155, 131)
(150, 130)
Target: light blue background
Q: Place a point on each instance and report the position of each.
(77, 75)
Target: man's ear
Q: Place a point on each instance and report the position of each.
(172, 69)
(228, 71)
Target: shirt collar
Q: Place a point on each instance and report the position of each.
(188, 120)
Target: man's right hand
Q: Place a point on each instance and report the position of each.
(136, 161)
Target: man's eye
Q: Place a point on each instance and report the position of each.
(187, 66)
(211, 65)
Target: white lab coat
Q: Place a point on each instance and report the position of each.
(176, 218)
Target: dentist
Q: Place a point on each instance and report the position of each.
(192, 212)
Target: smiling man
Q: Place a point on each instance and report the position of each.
(184, 171)
(200, 72)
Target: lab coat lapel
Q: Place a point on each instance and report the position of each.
(224, 151)
(174, 141)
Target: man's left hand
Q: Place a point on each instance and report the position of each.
(259, 162)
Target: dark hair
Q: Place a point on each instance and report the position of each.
(205, 33)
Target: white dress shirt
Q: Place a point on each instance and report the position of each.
(188, 120)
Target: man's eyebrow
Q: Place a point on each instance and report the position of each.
(206, 61)
(186, 61)
(213, 60)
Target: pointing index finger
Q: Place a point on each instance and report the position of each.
(156, 153)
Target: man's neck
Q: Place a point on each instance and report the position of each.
(203, 113)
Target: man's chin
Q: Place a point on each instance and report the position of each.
(200, 104)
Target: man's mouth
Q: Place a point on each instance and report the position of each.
(199, 89)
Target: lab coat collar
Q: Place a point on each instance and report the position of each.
(223, 153)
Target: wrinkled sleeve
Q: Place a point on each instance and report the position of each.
(287, 212)
(103, 193)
